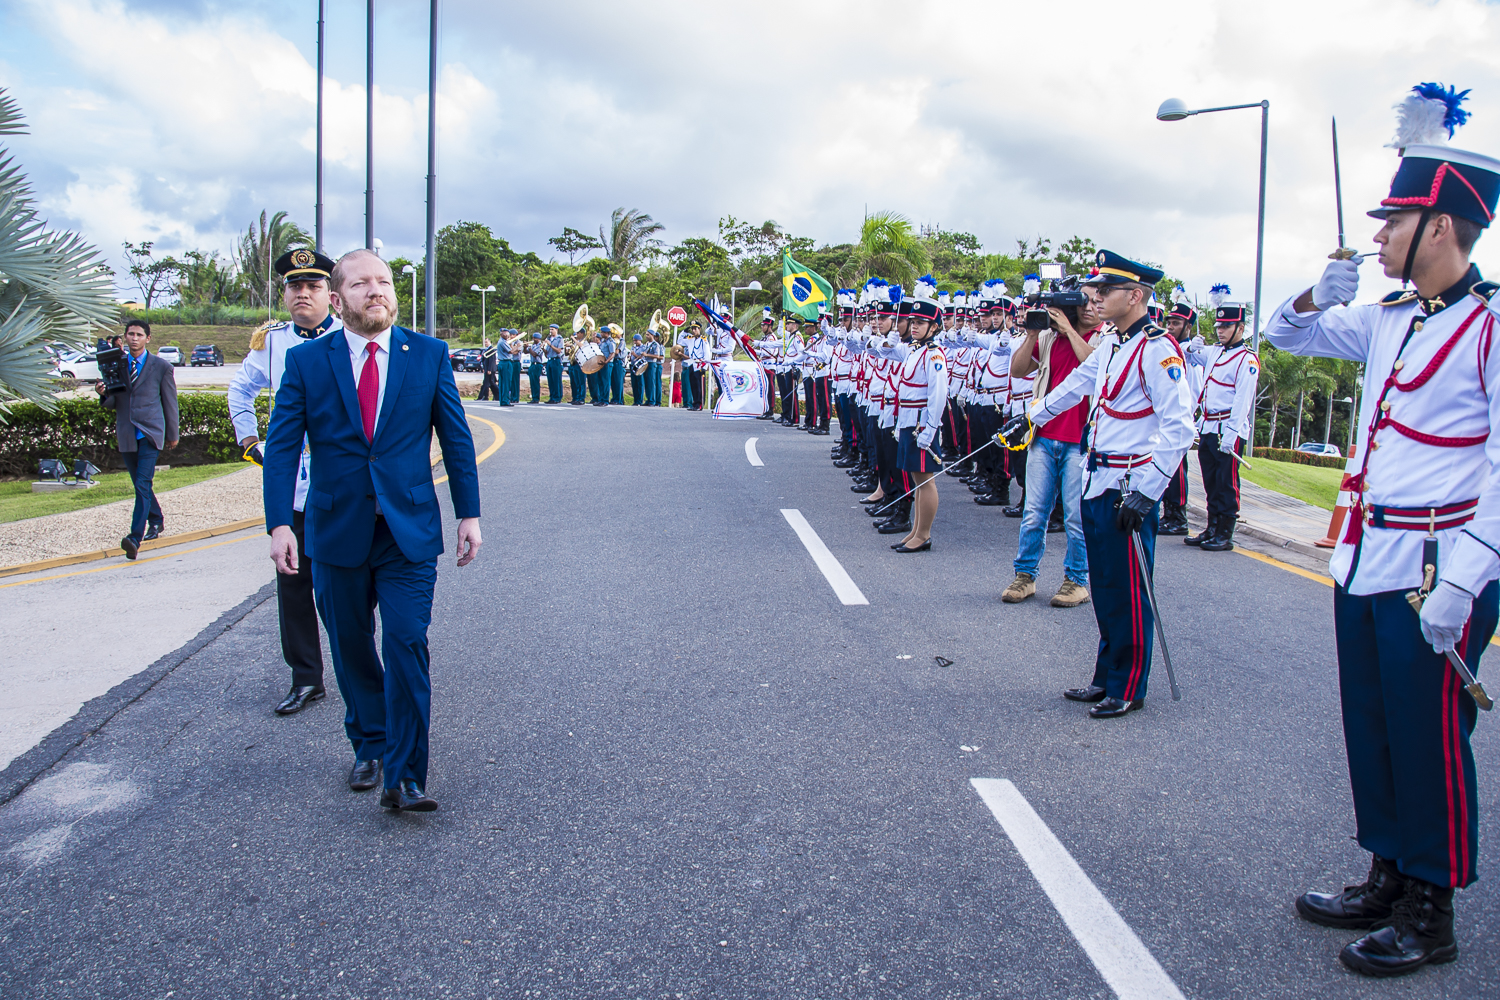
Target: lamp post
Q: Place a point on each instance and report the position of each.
(754, 286)
(624, 282)
(369, 124)
(1174, 110)
(409, 269)
(1350, 401)
(483, 329)
(377, 246)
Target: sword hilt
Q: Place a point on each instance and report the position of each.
(1476, 691)
(1344, 253)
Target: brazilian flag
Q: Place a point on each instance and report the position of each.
(802, 289)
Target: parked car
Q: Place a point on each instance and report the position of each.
(1320, 448)
(75, 364)
(466, 359)
(171, 355)
(207, 354)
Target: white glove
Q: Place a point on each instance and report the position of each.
(1227, 443)
(1444, 615)
(1196, 344)
(1339, 284)
(925, 436)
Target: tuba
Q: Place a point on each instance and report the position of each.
(581, 318)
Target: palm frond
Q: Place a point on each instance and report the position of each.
(11, 119)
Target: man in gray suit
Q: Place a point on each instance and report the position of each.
(145, 424)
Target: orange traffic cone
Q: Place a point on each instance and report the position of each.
(1336, 523)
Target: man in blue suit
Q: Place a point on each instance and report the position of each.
(368, 398)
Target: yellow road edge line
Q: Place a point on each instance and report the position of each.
(494, 445)
(1327, 581)
(136, 562)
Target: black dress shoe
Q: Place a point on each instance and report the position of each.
(1418, 932)
(920, 548)
(861, 487)
(1015, 511)
(130, 545)
(1113, 708)
(364, 775)
(764, 416)
(897, 528)
(990, 500)
(299, 698)
(867, 500)
(408, 797)
(1358, 907)
(153, 530)
(1091, 692)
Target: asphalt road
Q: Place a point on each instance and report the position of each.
(672, 764)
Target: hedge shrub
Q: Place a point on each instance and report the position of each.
(82, 428)
(1299, 457)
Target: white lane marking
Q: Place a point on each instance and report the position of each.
(1127, 967)
(833, 572)
(751, 453)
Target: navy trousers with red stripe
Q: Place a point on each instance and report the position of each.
(1121, 608)
(1177, 489)
(1407, 721)
(1221, 477)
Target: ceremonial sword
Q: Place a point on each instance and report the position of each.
(1161, 636)
(938, 458)
(1471, 683)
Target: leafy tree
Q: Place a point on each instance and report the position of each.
(468, 253)
(887, 248)
(1284, 375)
(631, 237)
(573, 243)
(257, 252)
(53, 285)
(153, 276)
(206, 279)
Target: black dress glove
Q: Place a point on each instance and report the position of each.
(1131, 514)
(1014, 431)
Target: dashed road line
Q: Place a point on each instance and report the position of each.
(1128, 968)
(833, 571)
(751, 453)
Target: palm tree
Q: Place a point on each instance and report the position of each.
(889, 248)
(53, 285)
(1284, 375)
(631, 236)
(258, 251)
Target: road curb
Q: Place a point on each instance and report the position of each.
(156, 543)
(1266, 535)
(97, 713)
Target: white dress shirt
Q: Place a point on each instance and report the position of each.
(358, 353)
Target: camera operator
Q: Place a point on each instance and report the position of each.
(145, 424)
(1053, 463)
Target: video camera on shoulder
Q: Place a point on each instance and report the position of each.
(1062, 291)
(114, 370)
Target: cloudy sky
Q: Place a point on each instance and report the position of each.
(179, 120)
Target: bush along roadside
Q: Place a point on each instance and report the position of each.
(82, 428)
(1299, 457)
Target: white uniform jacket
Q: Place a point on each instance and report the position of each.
(992, 370)
(1431, 401)
(921, 385)
(1142, 421)
(1227, 394)
(262, 369)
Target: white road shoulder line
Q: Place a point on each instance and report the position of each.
(833, 572)
(751, 453)
(1127, 967)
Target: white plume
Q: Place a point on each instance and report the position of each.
(1419, 121)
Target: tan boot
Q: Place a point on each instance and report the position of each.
(1070, 595)
(1022, 587)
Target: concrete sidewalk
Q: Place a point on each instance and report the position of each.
(1267, 515)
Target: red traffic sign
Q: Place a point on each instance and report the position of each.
(677, 316)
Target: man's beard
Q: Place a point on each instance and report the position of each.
(363, 322)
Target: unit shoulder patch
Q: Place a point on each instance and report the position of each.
(1172, 366)
(1399, 298)
(1484, 290)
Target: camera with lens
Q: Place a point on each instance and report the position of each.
(114, 370)
(1038, 303)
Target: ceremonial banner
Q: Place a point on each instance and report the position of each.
(802, 289)
(742, 390)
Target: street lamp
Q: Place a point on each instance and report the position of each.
(483, 330)
(1174, 110)
(623, 283)
(1350, 401)
(377, 246)
(754, 286)
(409, 269)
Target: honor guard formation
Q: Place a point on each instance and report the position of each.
(1071, 407)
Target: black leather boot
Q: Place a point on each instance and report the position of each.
(1173, 519)
(1419, 932)
(1223, 541)
(1209, 530)
(1358, 907)
(899, 522)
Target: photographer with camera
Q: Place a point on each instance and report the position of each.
(145, 424)
(1053, 348)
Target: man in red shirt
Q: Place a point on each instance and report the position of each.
(1054, 462)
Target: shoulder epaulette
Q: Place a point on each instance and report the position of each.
(1153, 331)
(1399, 298)
(1484, 289)
(258, 338)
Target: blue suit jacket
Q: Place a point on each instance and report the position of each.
(317, 398)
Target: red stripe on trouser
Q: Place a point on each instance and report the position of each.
(1234, 475)
(1449, 762)
(1135, 623)
(1458, 844)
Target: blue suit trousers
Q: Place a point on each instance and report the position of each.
(386, 708)
(1121, 608)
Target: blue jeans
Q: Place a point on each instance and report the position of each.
(1053, 466)
(141, 464)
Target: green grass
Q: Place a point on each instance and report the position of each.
(17, 502)
(1309, 483)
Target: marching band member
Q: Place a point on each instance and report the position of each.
(655, 353)
(1228, 402)
(1423, 532)
(556, 349)
(922, 395)
(991, 380)
(599, 381)
(843, 378)
(817, 357)
(1142, 426)
(1021, 391)
(1182, 325)
(637, 359)
(789, 377)
(693, 395)
(769, 350)
(537, 352)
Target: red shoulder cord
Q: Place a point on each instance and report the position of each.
(1110, 394)
(1355, 484)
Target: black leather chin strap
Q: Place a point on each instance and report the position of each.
(1416, 239)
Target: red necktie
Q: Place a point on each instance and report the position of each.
(369, 391)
